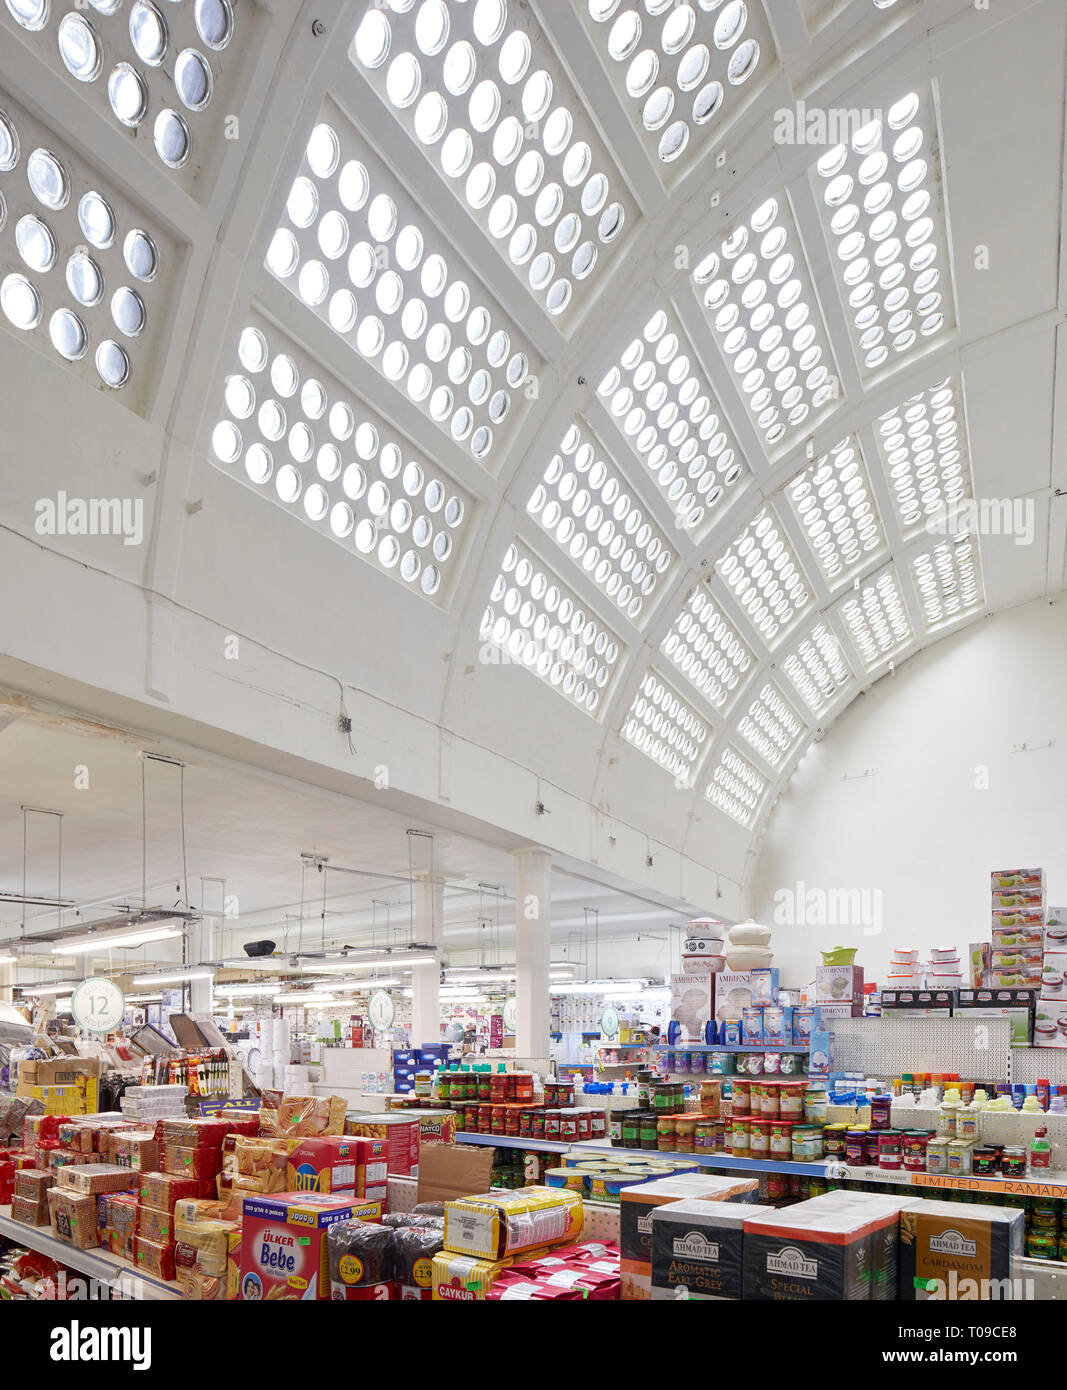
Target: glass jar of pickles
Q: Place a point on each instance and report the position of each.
(816, 1105)
(791, 1100)
(781, 1145)
(685, 1128)
(740, 1099)
(665, 1132)
(740, 1132)
(759, 1142)
(807, 1143)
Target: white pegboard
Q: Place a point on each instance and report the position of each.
(1048, 1277)
(601, 1221)
(885, 1047)
(995, 1127)
(1030, 1064)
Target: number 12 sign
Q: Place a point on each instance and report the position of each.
(98, 1005)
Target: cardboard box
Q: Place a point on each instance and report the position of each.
(335, 1163)
(752, 1024)
(838, 984)
(1054, 977)
(1050, 1024)
(918, 1002)
(96, 1178)
(636, 1205)
(133, 1149)
(764, 984)
(32, 1184)
(1016, 1005)
(1006, 917)
(948, 1248)
(1017, 878)
(1018, 898)
(800, 1254)
(697, 1246)
(883, 1213)
(448, 1171)
(733, 992)
(1011, 938)
(803, 1022)
(778, 1025)
(692, 1004)
(283, 1243)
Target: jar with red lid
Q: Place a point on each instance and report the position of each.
(770, 1105)
(914, 1144)
(791, 1100)
(511, 1120)
(552, 1124)
(583, 1120)
(537, 1124)
(568, 1126)
(759, 1138)
(890, 1152)
(498, 1087)
(781, 1144)
(598, 1124)
(739, 1100)
(524, 1089)
(985, 1161)
(525, 1124)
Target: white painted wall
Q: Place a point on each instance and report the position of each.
(944, 801)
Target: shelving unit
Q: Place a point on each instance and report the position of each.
(101, 1265)
(733, 1047)
(500, 1141)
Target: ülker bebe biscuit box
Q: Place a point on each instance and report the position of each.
(283, 1243)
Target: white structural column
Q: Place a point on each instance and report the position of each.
(426, 979)
(533, 943)
(200, 936)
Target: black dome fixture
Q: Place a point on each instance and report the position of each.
(259, 948)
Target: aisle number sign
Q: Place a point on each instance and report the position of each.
(511, 1014)
(609, 1023)
(98, 1005)
(381, 1010)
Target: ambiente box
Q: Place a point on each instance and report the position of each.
(636, 1205)
(955, 1250)
(697, 1249)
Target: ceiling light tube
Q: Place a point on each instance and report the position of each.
(249, 991)
(375, 963)
(8, 960)
(309, 997)
(127, 940)
(168, 977)
(64, 988)
(144, 999)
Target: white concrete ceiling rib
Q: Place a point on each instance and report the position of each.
(567, 322)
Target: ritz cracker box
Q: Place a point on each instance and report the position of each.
(283, 1243)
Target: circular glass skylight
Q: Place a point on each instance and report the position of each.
(47, 179)
(68, 334)
(79, 47)
(170, 135)
(20, 301)
(128, 94)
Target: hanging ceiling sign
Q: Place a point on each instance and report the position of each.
(511, 1013)
(98, 1005)
(609, 1023)
(381, 1010)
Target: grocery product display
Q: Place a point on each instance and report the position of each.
(534, 539)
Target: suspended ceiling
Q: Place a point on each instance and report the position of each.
(522, 363)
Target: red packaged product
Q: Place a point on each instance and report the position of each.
(7, 1181)
(191, 1163)
(154, 1258)
(79, 1137)
(40, 1127)
(238, 1122)
(401, 1135)
(32, 1184)
(163, 1189)
(193, 1134)
(121, 1211)
(29, 1212)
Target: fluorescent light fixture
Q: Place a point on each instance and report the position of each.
(127, 940)
(144, 999)
(8, 960)
(169, 977)
(64, 987)
(395, 962)
(250, 963)
(62, 1006)
(618, 989)
(305, 997)
(246, 991)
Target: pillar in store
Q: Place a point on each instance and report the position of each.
(533, 933)
(426, 979)
(200, 935)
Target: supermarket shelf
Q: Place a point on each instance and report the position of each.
(501, 1141)
(732, 1047)
(98, 1264)
(728, 1161)
(625, 1047)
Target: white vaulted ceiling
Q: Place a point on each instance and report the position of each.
(502, 359)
